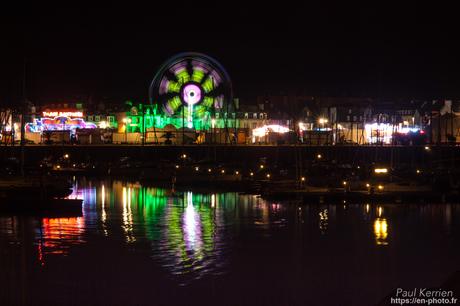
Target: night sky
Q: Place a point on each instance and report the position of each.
(113, 52)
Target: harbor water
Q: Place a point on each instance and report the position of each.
(140, 245)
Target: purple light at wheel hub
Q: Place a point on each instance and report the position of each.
(191, 94)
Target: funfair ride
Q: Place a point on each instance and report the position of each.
(192, 88)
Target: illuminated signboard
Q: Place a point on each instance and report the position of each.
(63, 114)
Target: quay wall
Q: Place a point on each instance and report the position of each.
(246, 155)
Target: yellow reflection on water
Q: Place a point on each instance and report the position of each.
(323, 220)
(380, 211)
(381, 231)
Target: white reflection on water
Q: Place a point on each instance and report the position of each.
(192, 226)
(127, 216)
(103, 211)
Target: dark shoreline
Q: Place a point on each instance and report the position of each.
(247, 155)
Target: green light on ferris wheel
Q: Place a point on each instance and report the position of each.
(208, 85)
(197, 75)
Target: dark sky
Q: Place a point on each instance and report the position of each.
(113, 52)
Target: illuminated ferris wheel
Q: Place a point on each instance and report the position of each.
(192, 86)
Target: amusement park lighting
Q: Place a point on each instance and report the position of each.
(184, 156)
(268, 175)
(264, 130)
(380, 170)
(319, 156)
(322, 120)
(302, 127)
(63, 114)
(103, 125)
(66, 155)
(191, 86)
(261, 166)
(302, 178)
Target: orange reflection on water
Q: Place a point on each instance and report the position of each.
(381, 231)
(61, 233)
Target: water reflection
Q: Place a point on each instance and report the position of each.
(380, 211)
(187, 238)
(60, 233)
(103, 211)
(323, 220)
(381, 231)
(185, 230)
(191, 226)
(192, 235)
(127, 216)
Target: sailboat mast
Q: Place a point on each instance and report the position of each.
(23, 112)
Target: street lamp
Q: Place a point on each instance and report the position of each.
(322, 122)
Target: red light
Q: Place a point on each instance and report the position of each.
(422, 132)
